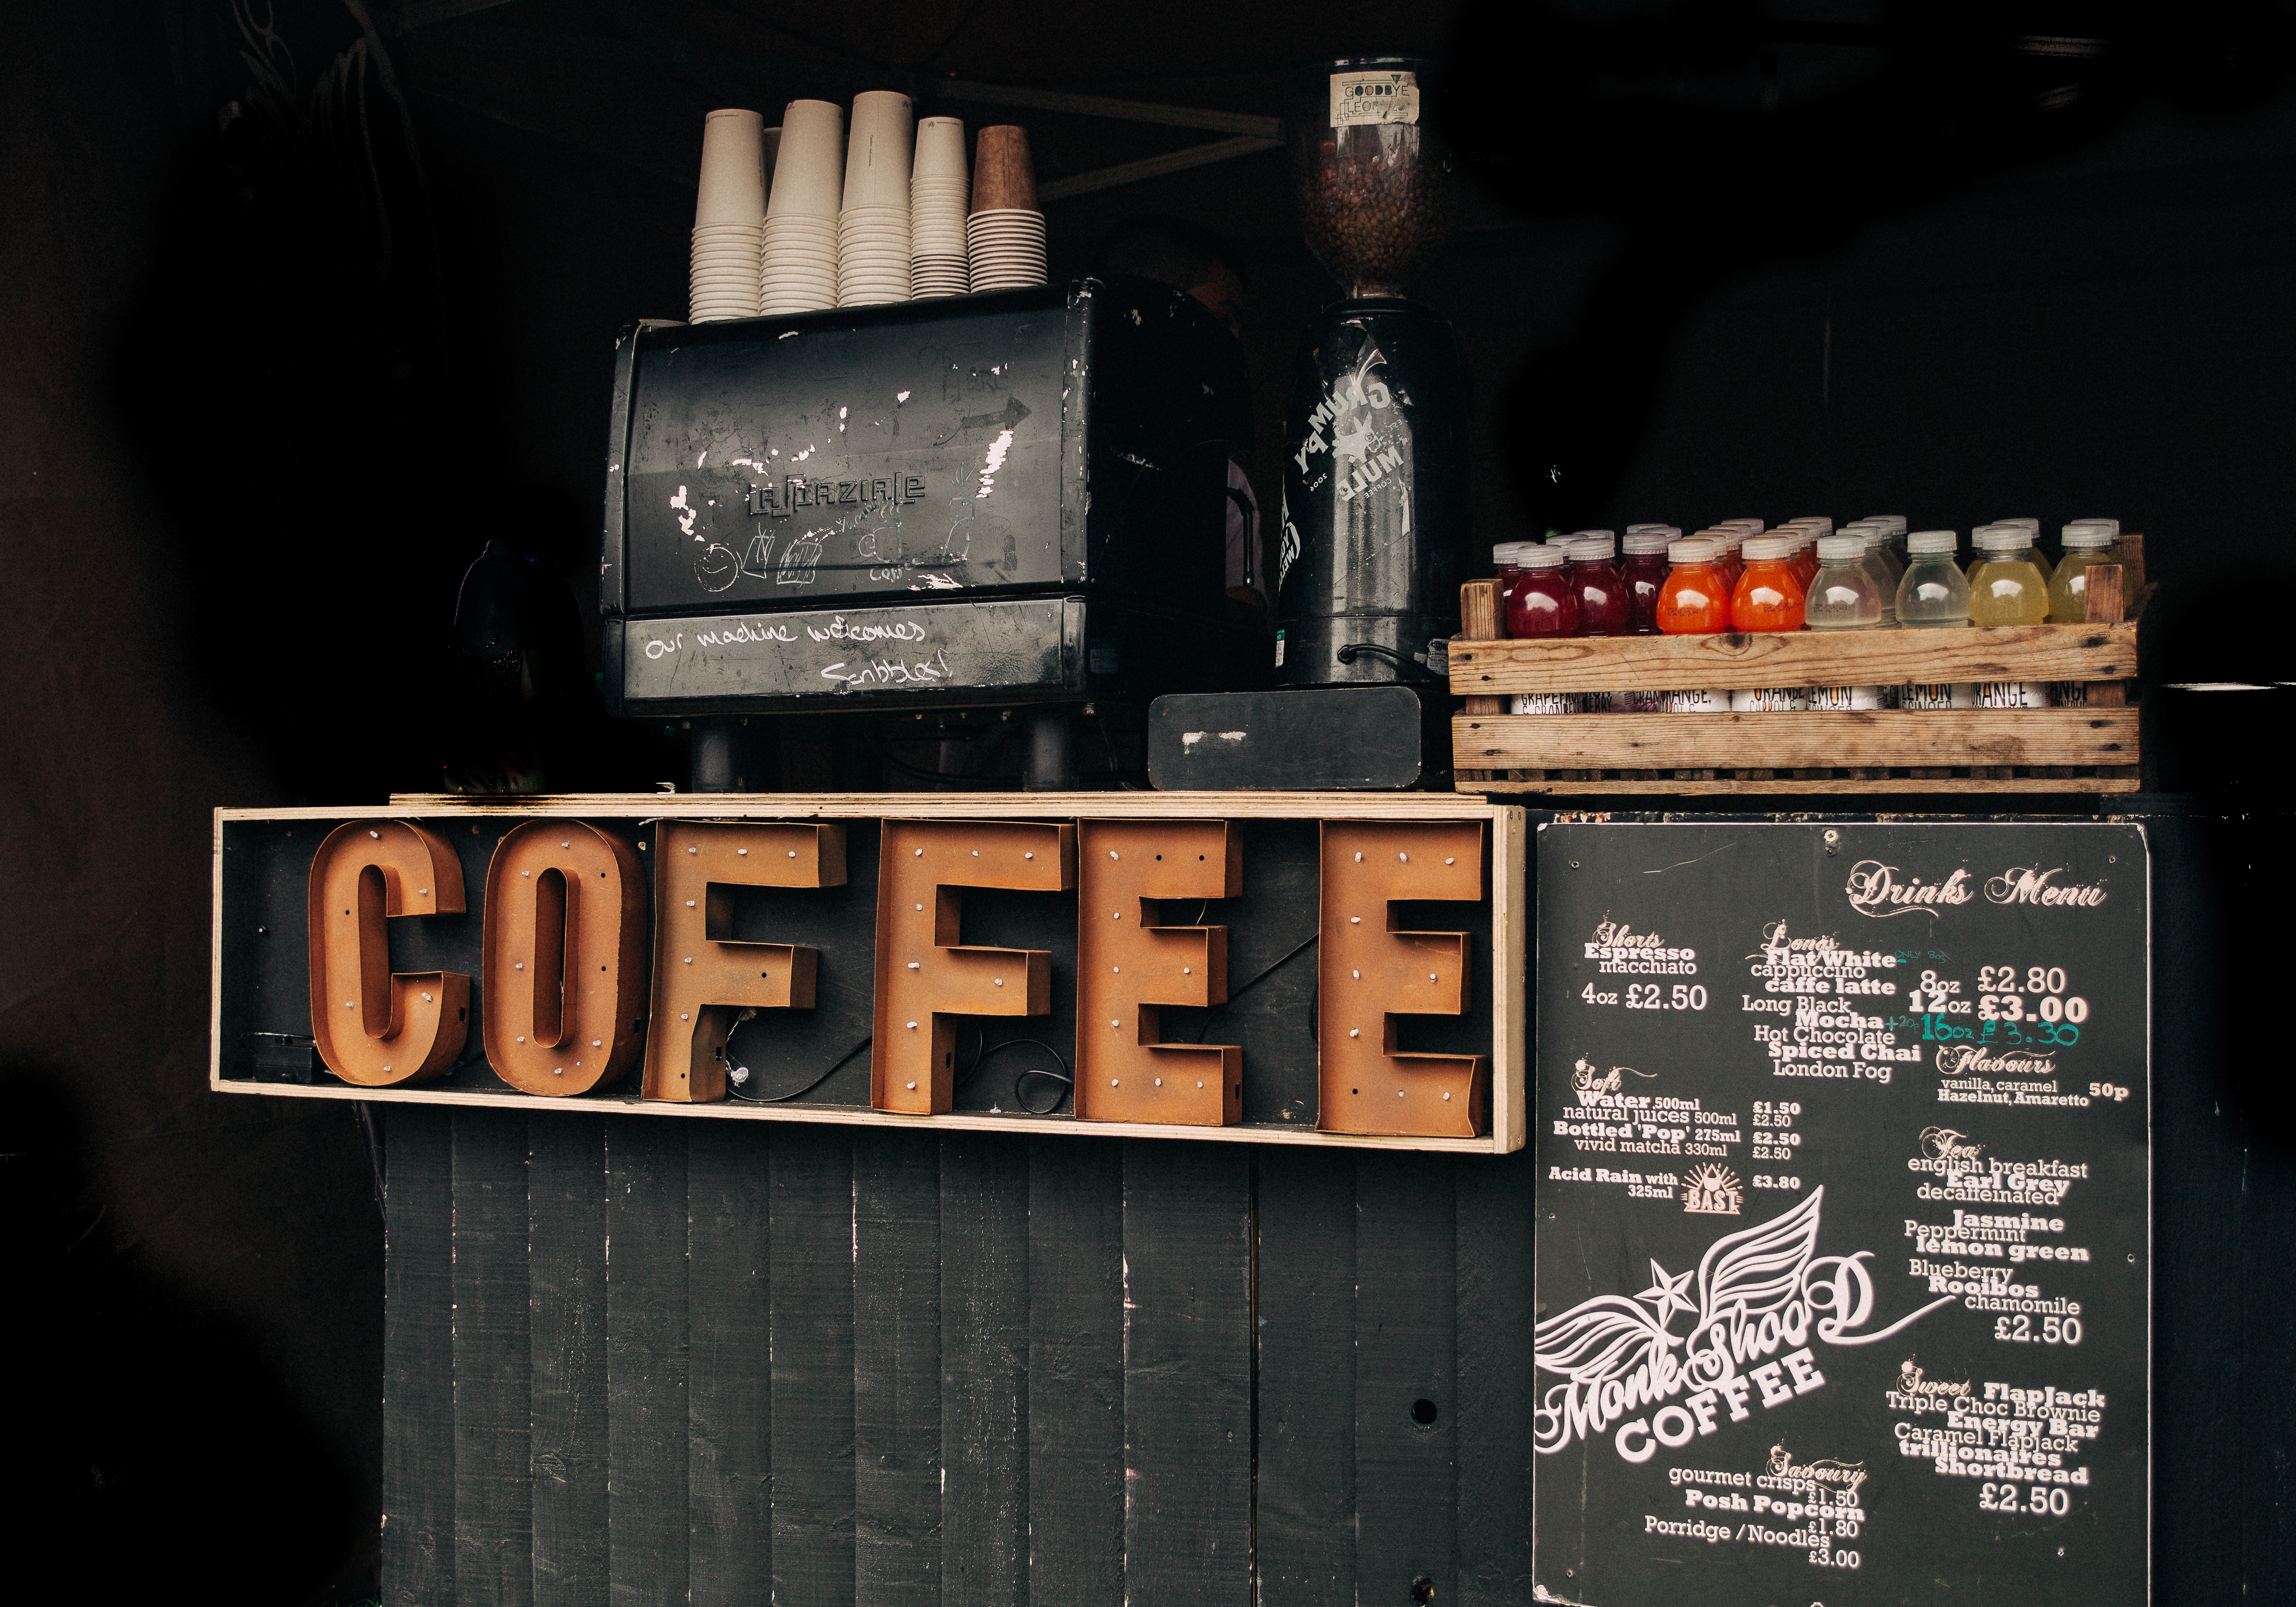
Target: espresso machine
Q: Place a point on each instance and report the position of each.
(1374, 526)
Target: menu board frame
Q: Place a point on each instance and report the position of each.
(1821, 1266)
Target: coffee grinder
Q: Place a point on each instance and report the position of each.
(1375, 499)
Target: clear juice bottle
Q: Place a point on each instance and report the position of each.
(2087, 541)
(1605, 606)
(1542, 602)
(1843, 594)
(1933, 591)
(1692, 602)
(1645, 572)
(1768, 597)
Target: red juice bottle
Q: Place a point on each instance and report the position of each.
(1605, 606)
(1542, 602)
(1645, 572)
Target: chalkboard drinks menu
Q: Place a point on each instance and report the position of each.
(1844, 1251)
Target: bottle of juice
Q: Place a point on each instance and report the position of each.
(1882, 566)
(2005, 586)
(2087, 541)
(1605, 606)
(1542, 602)
(1844, 594)
(1504, 562)
(1933, 590)
(1729, 554)
(1768, 597)
(1895, 523)
(1804, 561)
(1644, 572)
(1693, 601)
(2032, 549)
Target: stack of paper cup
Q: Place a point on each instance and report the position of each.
(728, 217)
(1004, 236)
(938, 195)
(873, 228)
(800, 235)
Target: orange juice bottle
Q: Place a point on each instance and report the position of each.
(1768, 597)
(1693, 601)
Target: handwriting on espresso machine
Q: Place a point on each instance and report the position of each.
(579, 986)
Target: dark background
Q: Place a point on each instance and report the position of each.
(309, 302)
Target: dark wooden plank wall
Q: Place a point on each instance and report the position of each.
(638, 1359)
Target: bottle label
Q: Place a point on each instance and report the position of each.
(1373, 97)
(1546, 703)
(1845, 698)
(2069, 694)
(2012, 695)
(1645, 703)
(1929, 695)
(1769, 700)
(1698, 703)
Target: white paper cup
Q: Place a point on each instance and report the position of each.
(940, 151)
(809, 170)
(733, 187)
(878, 150)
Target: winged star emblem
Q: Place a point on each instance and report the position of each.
(1759, 1290)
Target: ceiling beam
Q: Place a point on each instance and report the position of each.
(1153, 166)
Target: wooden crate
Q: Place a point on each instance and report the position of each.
(2091, 749)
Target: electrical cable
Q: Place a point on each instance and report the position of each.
(782, 1098)
(1261, 976)
(982, 1049)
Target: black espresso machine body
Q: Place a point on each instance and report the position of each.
(1009, 498)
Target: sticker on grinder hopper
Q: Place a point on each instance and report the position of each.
(1373, 97)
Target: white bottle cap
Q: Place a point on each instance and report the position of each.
(1656, 540)
(1818, 522)
(1931, 541)
(1841, 549)
(1744, 527)
(2112, 524)
(1643, 530)
(2001, 537)
(1591, 547)
(1579, 535)
(1504, 553)
(2083, 535)
(1691, 549)
(2031, 527)
(1766, 547)
(1896, 522)
(1542, 557)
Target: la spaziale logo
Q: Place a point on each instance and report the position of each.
(1882, 890)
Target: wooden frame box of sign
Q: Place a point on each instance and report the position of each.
(2088, 742)
(1305, 969)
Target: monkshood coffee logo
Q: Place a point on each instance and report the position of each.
(1760, 1292)
(1882, 891)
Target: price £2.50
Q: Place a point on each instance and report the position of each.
(1650, 996)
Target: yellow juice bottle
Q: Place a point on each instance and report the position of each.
(2005, 586)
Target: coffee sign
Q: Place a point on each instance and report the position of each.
(617, 950)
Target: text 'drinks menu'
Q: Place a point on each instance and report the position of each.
(1844, 1230)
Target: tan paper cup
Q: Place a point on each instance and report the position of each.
(877, 151)
(809, 169)
(733, 187)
